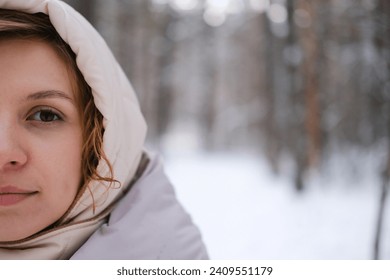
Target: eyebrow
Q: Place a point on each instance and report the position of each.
(49, 94)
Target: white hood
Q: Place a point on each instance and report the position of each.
(113, 95)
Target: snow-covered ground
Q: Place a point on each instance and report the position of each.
(246, 212)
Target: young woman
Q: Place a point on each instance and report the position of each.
(75, 181)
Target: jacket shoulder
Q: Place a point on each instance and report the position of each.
(147, 223)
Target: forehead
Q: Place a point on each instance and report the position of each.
(33, 65)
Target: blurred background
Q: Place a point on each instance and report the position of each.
(273, 117)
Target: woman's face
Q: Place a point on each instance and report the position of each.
(40, 138)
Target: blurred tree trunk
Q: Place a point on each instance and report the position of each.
(382, 204)
(166, 59)
(295, 125)
(271, 136)
(86, 8)
(310, 73)
(137, 28)
(382, 41)
(210, 80)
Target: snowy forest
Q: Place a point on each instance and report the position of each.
(304, 84)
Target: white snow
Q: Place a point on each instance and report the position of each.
(246, 212)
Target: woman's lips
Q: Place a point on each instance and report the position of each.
(10, 195)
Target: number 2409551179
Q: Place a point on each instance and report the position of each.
(264, 270)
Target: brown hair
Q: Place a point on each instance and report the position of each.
(16, 24)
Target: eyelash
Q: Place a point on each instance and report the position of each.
(37, 116)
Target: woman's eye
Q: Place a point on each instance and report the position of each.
(45, 116)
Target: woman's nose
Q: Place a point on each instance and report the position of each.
(12, 154)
